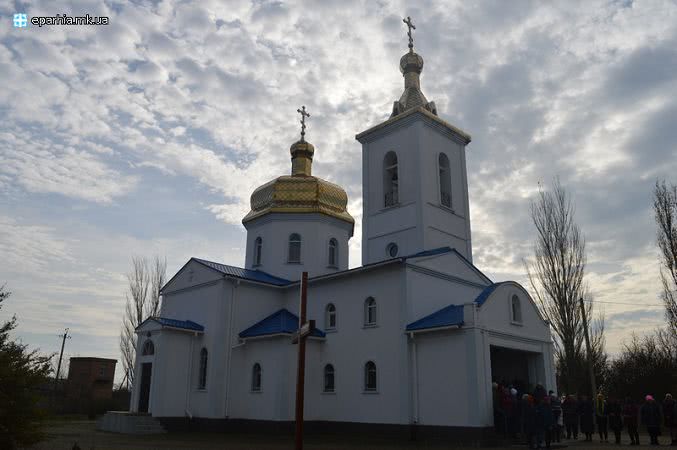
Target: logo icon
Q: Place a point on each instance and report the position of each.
(20, 20)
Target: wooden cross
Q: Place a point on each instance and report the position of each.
(304, 114)
(410, 25)
(306, 327)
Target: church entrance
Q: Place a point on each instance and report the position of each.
(144, 393)
(517, 368)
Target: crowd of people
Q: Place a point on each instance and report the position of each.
(541, 417)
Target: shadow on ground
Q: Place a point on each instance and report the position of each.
(62, 436)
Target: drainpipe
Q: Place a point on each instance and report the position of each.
(414, 375)
(233, 285)
(190, 373)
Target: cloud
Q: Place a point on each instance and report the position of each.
(191, 106)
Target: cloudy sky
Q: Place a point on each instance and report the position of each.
(147, 136)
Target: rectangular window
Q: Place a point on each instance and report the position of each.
(294, 252)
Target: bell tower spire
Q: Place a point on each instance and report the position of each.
(414, 180)
(411, 66)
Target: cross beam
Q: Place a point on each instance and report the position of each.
(410, 25)
(304, 114)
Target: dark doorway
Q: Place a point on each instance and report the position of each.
(511, 368)
(144, 394)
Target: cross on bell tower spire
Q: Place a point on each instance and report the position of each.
(304, 114)
(410, 25)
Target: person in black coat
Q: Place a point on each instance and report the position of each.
(570, 413)
(631, 419)
(544, 422)
(670, 417)
(586, 410)
(650, 414)
(615, 413)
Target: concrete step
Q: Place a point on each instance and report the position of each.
(127, 423)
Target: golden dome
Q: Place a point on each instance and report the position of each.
(300, 192)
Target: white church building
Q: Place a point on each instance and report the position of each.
(415, 335)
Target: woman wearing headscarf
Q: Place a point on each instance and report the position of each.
(602, 418)
(613, 408)
(631, 419)
(650, 414)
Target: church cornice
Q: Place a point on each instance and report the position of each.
(410, 116)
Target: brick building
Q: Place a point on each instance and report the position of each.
(91, 378)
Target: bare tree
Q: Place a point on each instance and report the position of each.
(556, 275)
(665, 209)
(143, 301)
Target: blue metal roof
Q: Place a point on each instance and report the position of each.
(280, 322)
(247, 274)
(445, 317)
(484, 295)
(174, 323)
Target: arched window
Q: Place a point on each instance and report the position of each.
(294, 248)
(256, 377)
(370, 376)
(370, 311)
(333, 252)
(148, 348)
(390, 180)
(202, 378)
(330, 317)
(445, 180)
(258, 247)
(328, 378)
(515, 309)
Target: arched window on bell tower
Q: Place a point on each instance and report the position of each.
(391, 181)
(445, 180)
(258, 247)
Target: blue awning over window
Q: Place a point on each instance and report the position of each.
(451, 315)
(281, 322)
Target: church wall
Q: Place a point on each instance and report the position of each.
(170, 373)
(210, 306)
(353, 344)
(252, 303)
(275, 399)
(315, 229)
(192, 274)
(452, 264)
(444, 379)
(495, 314)
(428, 293)
(377, 219)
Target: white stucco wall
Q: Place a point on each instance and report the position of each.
(315, 229)
(443, 379)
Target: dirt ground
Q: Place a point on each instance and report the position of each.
(62, 436)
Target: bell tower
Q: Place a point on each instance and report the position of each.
(414, 178)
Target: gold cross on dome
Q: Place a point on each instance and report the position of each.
(410, 25)
(304, 114)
